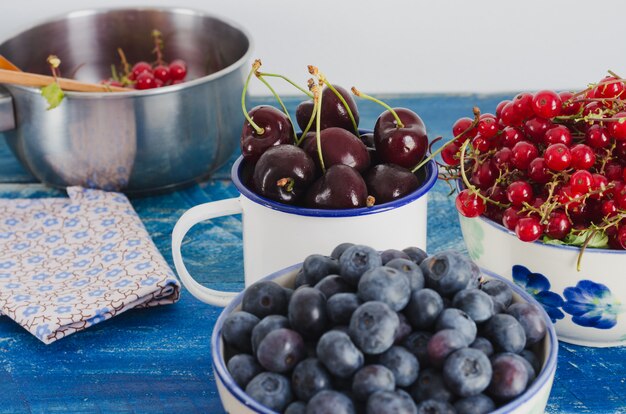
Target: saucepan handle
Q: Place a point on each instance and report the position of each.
(7, 115)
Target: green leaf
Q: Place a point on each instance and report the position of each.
(598, 240)
(53, 94)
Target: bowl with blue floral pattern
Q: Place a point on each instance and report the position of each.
(584, 294)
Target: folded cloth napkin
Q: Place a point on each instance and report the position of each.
(67, 264)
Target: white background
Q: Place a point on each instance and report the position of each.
(393, 46)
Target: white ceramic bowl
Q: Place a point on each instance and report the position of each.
(235, 400)
(588, 307)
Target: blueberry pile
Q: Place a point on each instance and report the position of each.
(392, 332)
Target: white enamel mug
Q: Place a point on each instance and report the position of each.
(276, 235)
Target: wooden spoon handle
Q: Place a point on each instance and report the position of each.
(33, 79)
(7, 64)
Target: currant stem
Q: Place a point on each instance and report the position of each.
(434, 154)
(343, 102)
(258, 129)
(360, 94)
(280, 102)
(277, 75)
(158, 46)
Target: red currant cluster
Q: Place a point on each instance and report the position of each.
(143, 75)
(547, 164)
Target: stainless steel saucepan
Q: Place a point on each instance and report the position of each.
(139, 141)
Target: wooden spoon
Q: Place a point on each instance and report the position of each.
(8, 65)
(34, 79)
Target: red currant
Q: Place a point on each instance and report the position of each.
(519, 192)
(523, 153)
(597, 137)
(450, 154)
(145, 80)
(162, 73)
(568, 198)
(593, 108)
(620, 237)
(523, 104)
(138, 69)
(509, 117)
(536, 128)
(609, 87)
(502, 158)
(569, 106)
(510, 217)
(484, 175)
(558, 135)
(581, 181)
(469, 204)
(613, 171)
(609, 209)
(500, 107)
(583, 157)
(511, 136)
(178, 70)
(487, 126)
(528, 229)
(481, 144)
(460, 126)
(617, 129)
(558, 225)
(538, 171)
(547, 104)
(558, 157)
(599, 183)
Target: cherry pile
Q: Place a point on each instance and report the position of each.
(143, 75)
(547, 164)
(331, 164)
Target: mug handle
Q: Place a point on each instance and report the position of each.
(189, 219)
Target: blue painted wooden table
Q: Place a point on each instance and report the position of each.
(158, 359)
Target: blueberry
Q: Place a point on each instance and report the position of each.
(531, 319)
(417, 344)
(435, 407)
(271, 390)
(452, 318)
(338, 251)
(356, 260)
(390, 254)
(265, 326)
(404, 329)
(330, 402)
(333, 284)
(505, 333)
(500, 292)
(532, 359)
(415, 254)
(307, 312)
(341, 306)
(403, 364)
(510, 377)
(476, 404)
(385, 284)
(423, 308)
(243, 367)
(265, 298)
(373, 326)
(483, 344)
(390, 402)
(296, 407)
(300, 279)
(281, 350)
(475, 277)
(467, 372)
(430, 385)
(443, 343)
(476, 303)
(447, 272)
(529, 368)
(412, 271)
(237, 330)
(310, 377)
(316, 267)
(338, 354)
(372, 378)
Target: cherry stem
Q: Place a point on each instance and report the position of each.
(280, 102)
(317, 99)
(309, 125)
(360, 94)
(54, 63)
(434, 154)
(344, 103)
(258, 129)
(277, 75)
(158, 46)
(287, 183)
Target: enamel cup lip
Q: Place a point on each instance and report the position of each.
(430, 180)
(219, 365)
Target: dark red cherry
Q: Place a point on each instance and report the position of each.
(387, 182)
(406, 146)
(338, 147)
(283, 173)
(368, 140)
(303, 114)
(341, 187)
(277, 130)
(334, 113)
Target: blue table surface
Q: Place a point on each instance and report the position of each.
(158, 359)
